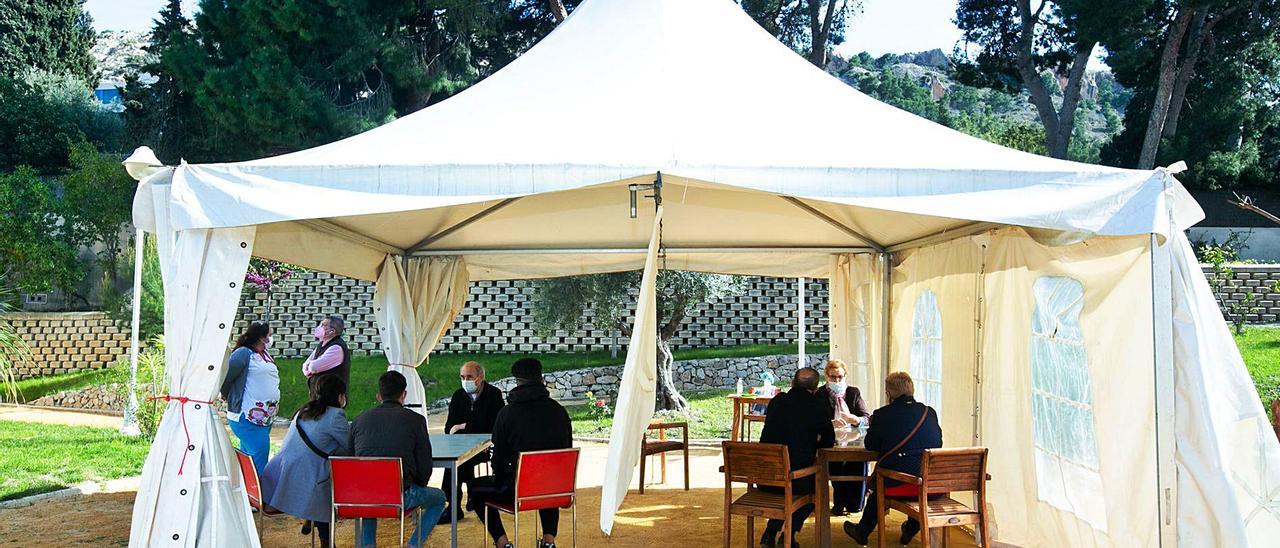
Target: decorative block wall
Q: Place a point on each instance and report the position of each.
(498, 317)
(64, 342)
(1259, 279)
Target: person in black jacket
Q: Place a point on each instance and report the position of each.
(848, 410)
(472, 410)
(391, 430)
(890, 425)
(531, 421)
(799, 420)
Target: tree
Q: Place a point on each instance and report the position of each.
(119, 304)
(96, 204)
(157, 113)
(49, 35)
(266, 274)
(14, 350)
(810, 27)
(44, 115)
(1019, 43)
(560, 303)
(36, 252)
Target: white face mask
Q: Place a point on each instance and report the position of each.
(469, 386)
(270, 341)
(838, 387)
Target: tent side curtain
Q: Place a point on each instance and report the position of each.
(855, 320)
(1043, 361)
(415, 303)
(1227, 455)
(191, 491)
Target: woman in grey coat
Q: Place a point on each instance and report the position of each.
(296, 480)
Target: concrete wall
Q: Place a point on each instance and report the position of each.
(64, 342)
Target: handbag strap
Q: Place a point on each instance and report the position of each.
(297, 425)
(910, 434)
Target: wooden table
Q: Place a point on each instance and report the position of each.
(449, 451)
(854, 452)
(739, 401)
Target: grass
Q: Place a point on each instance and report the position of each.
(711, 417)
(38, 387)
(1260, 347)
(38, 458)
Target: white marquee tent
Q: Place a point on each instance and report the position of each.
(1050, 310)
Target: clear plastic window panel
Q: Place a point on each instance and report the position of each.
(1062, 400)
(926, 349)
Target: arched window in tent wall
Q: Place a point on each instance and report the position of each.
(926, 350)
(1066, 445)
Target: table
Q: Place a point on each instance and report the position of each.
(854, 452)
(450, 450)
(739, 401)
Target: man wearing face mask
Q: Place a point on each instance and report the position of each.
(799, 420)
(472, 410)
(331, 356)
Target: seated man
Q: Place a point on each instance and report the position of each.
(390, 430)
(894, 430)
(472, 410)
(801, 421)
(531, 421)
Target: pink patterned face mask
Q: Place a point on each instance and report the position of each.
(318, 331)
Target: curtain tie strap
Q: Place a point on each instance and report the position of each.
(402, 365)
(182, 411)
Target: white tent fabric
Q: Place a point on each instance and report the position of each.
(692, 94)
(415, 302)
(1221, 425)
(634, 407)
(854, 302)
(191, 492)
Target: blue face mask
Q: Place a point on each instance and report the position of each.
(469, 386)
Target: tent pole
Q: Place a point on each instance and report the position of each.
(462, 224)
(333, 229)
(800, 323)
(641, 251)
(130, 426)
(886, 292)
(945, 235)
(837, 224)
(1162, 342)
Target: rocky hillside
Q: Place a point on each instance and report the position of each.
(119, 53)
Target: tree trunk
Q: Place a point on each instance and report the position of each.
(1071, 100)
(820, 30)
(1201, 33)
(1164, 88)
(558, 11)
(669, 397)
(1040, 96)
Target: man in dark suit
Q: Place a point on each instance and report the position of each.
(472, 410)
(531, 421)
(890, 425)
(390, 430)
(801, 421)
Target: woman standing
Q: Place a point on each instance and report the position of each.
(847, 410)
(252, 392)
(297, 480)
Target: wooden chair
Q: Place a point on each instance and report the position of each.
(661, 446)
(942, 471)
(757, 464)
(1275, 417)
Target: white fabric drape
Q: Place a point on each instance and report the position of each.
(635, 404)
(191, 492)
(415, 302)
(854, 317)
(1227, 456)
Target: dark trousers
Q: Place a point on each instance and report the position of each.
(466, 474)
(871, 515)
(848, 494)
(322, 531)
(485, 490)
(802, 486)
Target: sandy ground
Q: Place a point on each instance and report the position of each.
(50, 416)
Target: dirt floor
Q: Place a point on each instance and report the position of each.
(664, 515)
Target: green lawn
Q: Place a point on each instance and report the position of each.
(711, 417)
(35, 388)
(38, 458)
(1260, 347)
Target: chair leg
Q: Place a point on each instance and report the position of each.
(642, 478)
(663, 456)
(686, 465)
(924, 531)
(575, 524)
(333, 526)
(945, 533)
(751, 532)
(515, 526)
(786, 528)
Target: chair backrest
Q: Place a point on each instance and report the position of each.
(366, 482)
(250, 474)
(546, 479)
(954, 469)
(755, 462)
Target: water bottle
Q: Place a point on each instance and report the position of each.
(739, 386)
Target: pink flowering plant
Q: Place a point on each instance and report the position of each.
(599, 409)
(266, 274)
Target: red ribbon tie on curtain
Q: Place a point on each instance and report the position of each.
(182, 411)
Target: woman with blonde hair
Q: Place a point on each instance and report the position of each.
(848, 409)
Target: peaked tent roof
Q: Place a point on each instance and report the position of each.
(738, 124)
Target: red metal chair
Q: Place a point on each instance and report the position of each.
(367, 487)
(253, 488)
(544, 479)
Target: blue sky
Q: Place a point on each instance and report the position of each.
(884, 26)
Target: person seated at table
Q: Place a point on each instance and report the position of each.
(904, 428)
(799, 420)
(848, 410)
(531, 421)
(472, 410)
(391, 430)
(296, 481)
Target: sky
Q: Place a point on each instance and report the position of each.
(884, 26)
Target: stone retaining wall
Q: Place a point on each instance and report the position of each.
(64, 342)
(100, 398)
(691, 375)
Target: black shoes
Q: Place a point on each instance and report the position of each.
(445, 519)
(768, 541)
(908, 534)
(839, 511)
(852, 530)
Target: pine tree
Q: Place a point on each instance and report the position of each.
(49, 35)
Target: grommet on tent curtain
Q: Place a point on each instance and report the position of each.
(191, 447)
(175, 536)
(197, 406)
(244, 245)
(222, 326)
(182, 492)
(233, 284)
(210, 368)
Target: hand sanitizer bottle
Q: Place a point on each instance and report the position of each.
(739, 392)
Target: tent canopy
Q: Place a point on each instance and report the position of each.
(757, 148)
